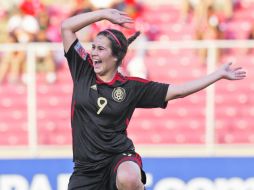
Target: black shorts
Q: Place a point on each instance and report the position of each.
(105, 179)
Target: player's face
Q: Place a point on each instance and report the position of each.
(103, 60)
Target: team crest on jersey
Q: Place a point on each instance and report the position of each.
(118, 94)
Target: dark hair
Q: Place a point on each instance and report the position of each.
(119, 43)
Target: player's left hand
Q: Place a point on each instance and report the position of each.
(229, 73)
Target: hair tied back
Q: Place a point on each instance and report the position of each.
(133, 37)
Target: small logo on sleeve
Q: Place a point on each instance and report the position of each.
(81, 51)
(118, 94)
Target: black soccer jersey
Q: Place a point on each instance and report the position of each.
(101, 111)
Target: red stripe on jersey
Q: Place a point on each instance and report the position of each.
(89, 59)
(138, 79)
(117, 77)
(72, 109)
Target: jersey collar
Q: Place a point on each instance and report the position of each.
(116, 81)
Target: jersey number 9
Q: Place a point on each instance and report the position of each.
(101, 102)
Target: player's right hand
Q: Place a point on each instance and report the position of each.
(117, 17)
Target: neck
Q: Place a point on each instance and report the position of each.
(107, 77)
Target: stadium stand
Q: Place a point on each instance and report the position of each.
(183, 122)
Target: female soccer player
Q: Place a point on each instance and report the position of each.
(103, 102)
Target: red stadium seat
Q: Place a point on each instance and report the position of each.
(182, 122)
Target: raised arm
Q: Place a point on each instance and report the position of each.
(224, 72)
(75, 23)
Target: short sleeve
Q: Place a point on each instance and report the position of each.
(152, 95)
(79, 60)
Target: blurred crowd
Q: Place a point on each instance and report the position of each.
(212, 19)
(208, 17)
(27, 21)
(24, 21)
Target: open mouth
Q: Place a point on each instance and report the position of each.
(97, 64)
(97, 61)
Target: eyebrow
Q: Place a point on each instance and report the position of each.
(98, 45)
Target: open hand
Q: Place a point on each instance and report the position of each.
(232, 73)
(117, 17)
